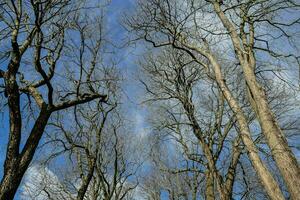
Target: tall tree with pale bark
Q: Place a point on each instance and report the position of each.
(206, 29)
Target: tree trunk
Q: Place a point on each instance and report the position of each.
(86, 181)
(280, 150)
(189, 108)
(15, 168)
(209, 186)
(269, 183)
(10, 183)
(228, 183)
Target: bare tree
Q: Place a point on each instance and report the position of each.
(103, 156)
(177, 24)
(173, 78)
(214, 77)
(243, 36)
(166, 177)
(36, 36)
(99, 146)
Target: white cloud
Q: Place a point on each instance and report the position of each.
(39, 182)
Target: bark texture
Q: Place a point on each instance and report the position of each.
(271, 186)
(282, 154)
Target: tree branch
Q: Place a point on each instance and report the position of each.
(82, 99)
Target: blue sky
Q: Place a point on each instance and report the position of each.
(128, 56)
